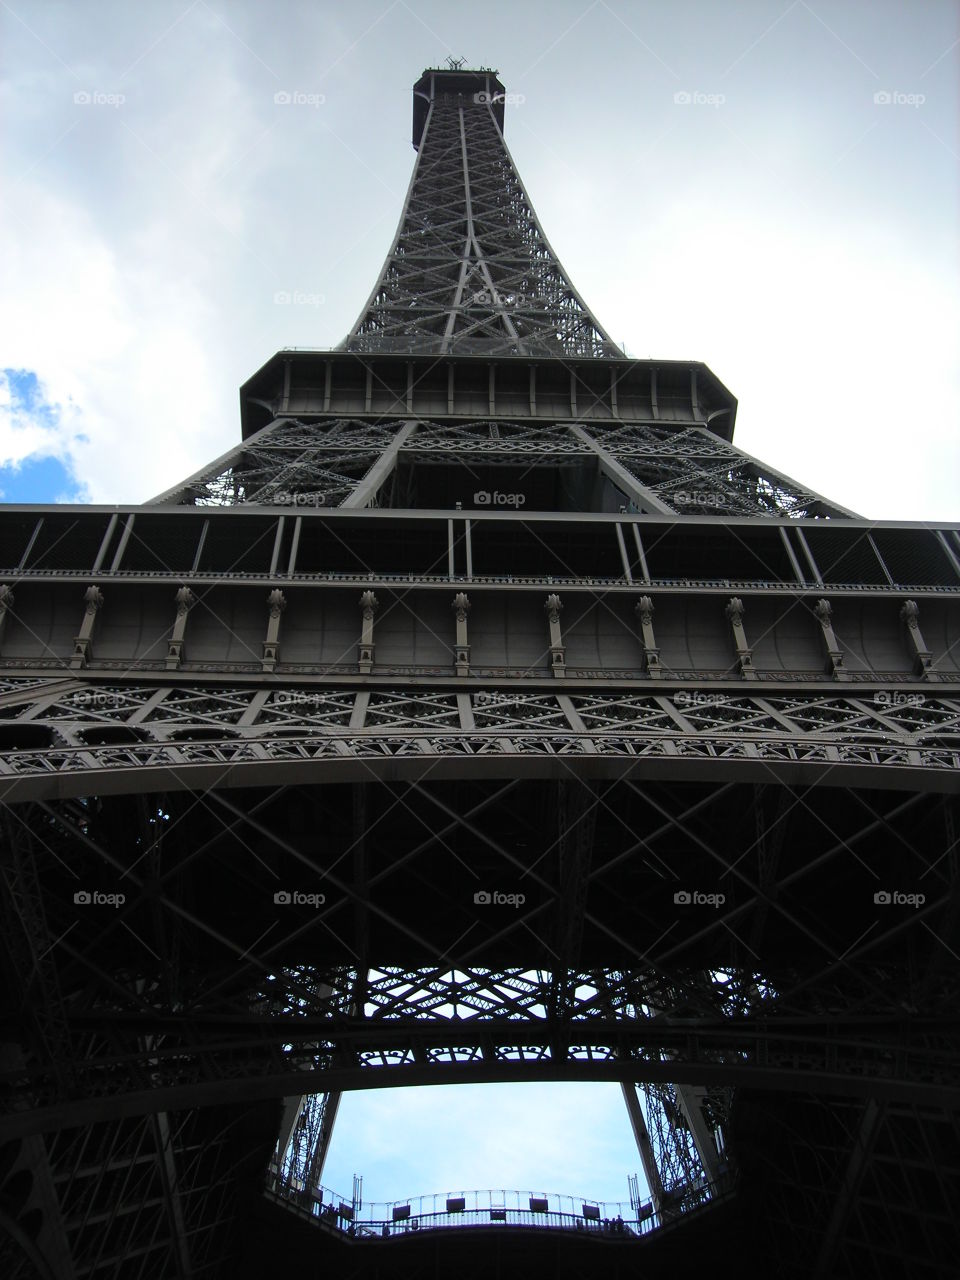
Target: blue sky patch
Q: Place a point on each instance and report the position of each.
(40, 477)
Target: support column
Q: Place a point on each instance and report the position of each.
(644, 1145)
(6, 606)
(643, 498)
(369, 604)
(292, 1107)
(651, 654)
(461, 607)
(175, 651)
(82, 653)
(552, 606)
(691, 1098)
(166, 1160)
(276, 602)
(331, 1104)
(922, 657)
(824, 612)
(366, 490)
(735, 612)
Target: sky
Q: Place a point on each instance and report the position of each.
(770, 186)
(720, 181)
(570, 1139)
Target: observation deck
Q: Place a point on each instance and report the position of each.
(492, 1210)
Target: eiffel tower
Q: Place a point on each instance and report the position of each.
(485, 715)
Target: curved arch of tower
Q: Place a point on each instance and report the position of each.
(485, 714)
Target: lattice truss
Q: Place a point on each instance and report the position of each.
(521, 996)
(117, 726)
(857, 1188)
(198, 984)
(471, 270)
(290, 464)
(325, 464)
(675, 1152)
(143, 1197)
(696, 473)
(132, 1197)
(220, 984)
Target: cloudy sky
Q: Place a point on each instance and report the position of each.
(770, 186)
(782, 224)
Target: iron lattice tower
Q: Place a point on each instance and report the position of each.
(479, 610)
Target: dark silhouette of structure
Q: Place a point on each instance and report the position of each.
(485, 715)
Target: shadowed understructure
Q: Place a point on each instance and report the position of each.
(485, 715)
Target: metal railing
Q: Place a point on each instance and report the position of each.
(497, 1209)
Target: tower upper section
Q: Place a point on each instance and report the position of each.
(470, 271)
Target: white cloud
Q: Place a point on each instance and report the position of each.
(117, 351)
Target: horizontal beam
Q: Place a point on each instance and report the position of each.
(62, 773)
(245, 1089)
(423, 515)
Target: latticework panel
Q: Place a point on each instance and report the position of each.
(291, 464)
(323, 463)
(471, 270)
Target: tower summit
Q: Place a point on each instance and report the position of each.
(484, 715)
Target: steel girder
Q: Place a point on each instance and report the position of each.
(182, 735)
(857, 1187)
(656, 467)
(470, 269)
(847, 1013)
